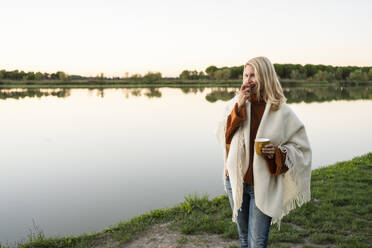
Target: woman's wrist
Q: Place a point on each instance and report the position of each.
(240, 105)
(238, 108)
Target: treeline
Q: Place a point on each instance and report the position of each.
(306, 72)
(295, 72)
(21, 75)
(149, 77)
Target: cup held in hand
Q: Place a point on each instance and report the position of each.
(259, 143)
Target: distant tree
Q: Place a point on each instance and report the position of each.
(310, 70)
(331, 76)
(194, 75)
(30, 76)
(210, 71)
(279, 70)
(202, 75)
(236, 72)
(217, 75)
(100, 76)
(226, 73)
(356, 75)
(347, 70)
(54, 76)
(370, 74)
(365, 76)
(2, 74)
(15, 75)
(61, 75)
(321, 76)
(287, 68)
(296, 74)
(222, 74)
(152, 77)
(185, 75)
(76, 77)
(324, 76)
(38, 76)
(338, 73)
(136, 77)
(22, 75)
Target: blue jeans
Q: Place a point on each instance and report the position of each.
(253, 225)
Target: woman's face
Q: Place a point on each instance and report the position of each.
(249, 78)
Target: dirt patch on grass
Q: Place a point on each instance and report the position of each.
(161, 236)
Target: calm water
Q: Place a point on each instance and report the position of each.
(79, 160)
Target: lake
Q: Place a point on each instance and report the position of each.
(80, 160)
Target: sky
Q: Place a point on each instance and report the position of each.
(88, 37)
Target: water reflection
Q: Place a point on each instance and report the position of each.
(22, 93)
(136, 92)
(194, 90)
(152, 92)
(293, 94)
(304, 94)
(324, 94)
(220, 94)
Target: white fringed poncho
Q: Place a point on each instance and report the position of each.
(275, 196)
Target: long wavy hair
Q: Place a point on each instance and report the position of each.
(269, 88)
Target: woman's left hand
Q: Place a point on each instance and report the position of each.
(269, 151)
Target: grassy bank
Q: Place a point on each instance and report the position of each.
(339, 215)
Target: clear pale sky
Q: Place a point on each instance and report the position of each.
(88, 37)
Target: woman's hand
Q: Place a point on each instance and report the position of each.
(244, 95)
(269, 151)
(226, 172)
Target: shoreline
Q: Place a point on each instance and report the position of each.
(339, 213)
(162, 83)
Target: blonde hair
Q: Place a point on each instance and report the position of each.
(268, 85)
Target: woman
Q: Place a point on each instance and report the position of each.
(263, 188)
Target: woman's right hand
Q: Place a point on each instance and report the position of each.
(243, 95)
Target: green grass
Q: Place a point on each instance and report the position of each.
(339, 214)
